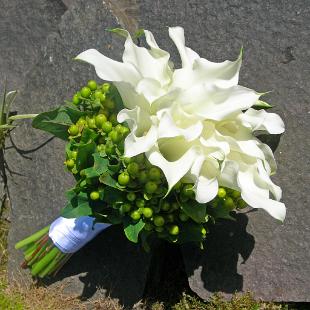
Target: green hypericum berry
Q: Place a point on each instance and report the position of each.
(105, 87)
(174, 230)
(76, 99)
(170, 218)
(187, 190)
(142, 177)
(109, 149)
(221, 192)
(229, 203)
(113, 119)
(74, 154)
(107, 126)
(85, 92)
(100, 119)
(148, 226)
(165, 206)
(81, 122)
(118, 128)
(147, 212)
(114, 136)
(241, 204)
(183, 217)
(235, 194)
(101, 148)
(154, 174)
(159, 220)
(91, 123)
(133, 169)
(94, 195)
(109, 104)
(70, 163)
(126, 207)
(159, 229)
(92, 85)
(73, 130)
(131, 196)
(135, 215)
(150, 187)
(140, 203)
(123, 179)
(124, 131)
(203, 231)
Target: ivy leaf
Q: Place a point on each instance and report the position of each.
(84, 157)
(220, 212)
(112, 195)
(77, 206)
(88, 135)
(132, 229)
(100, 166)
(116, 97)
(109, 181)
(57, 121)
(190, 232)
(195, 210)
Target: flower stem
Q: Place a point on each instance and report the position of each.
(33, 238)
(41, 264)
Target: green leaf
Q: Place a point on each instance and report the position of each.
(88, 135)
(190, 232)
(220, 212)
(116, 97)
(57, 121)
(77, 206)
(195, 210)
(112, 195)
(84, 157)
(109, 181)
(100, 166)
(121, 32)
(132, 229)
(262, 104)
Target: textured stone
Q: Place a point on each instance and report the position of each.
(37, 189)
(275, 37)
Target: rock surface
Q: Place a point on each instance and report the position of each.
(109, 265)
(275, 37)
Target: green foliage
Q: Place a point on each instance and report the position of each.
(195, 210)
(132, 229)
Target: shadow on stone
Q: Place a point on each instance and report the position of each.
(214, 269)
(109, 265)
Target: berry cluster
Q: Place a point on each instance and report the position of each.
(142, 187)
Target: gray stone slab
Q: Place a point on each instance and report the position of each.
(275, 37)
(37, 188)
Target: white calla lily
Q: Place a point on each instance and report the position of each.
(195, 121)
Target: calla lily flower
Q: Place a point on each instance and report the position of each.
(195, 122)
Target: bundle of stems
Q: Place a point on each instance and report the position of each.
(41, 255)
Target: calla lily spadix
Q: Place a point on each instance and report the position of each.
(195, 122)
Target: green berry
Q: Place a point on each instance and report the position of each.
(81, 122)
(183, 217)
(154, 174)
(105, 87)
(114, 136)
(101, 148)
(76, 99)
(150, 187)
(100, 119)
(92, 85)
(142, 177)
(74, 154)
(70, 163)
(131, 196)
(85, 92)
(73, 130)
(165, 206)
(140, 203)
(135, 215)
(94, 195)
(124, 131)
(174, 230)
(229, 203)
(148, 226)
(91, 123)
(203, 231)
(221, 192)
(159, 220)
(133, 169)
(123, 179)
(107, 126)
(109, 149)
(126, 207)
(147, 212)
(236, 194)
(109, 104)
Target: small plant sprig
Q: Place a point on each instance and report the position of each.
(7, 117)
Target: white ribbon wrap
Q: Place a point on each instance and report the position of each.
(70, 235)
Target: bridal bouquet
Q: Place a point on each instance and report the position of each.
(164, 152)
